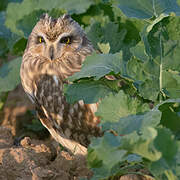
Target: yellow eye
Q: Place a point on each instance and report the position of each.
(65, 40)
(41, 39)
(68, 40)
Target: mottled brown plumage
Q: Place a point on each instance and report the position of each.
(56, 50)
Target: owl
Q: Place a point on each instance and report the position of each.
(55, 50)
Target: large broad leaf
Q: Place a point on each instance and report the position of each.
(4, 35)
(120, 105)
(9, 40)
(18, 46)
(9, 75)
(99, 12)
(125, 114)
(141, 143)
(98, 65)
(158, 145)
(4, 32)
(166, 165)
(28, 6)
(88, 91)
(167, 153)
(145, 9)
(133, 123)
(158, 75)
(170, 115)
(28, 22)
(132, 25)
(4, 3)
(108, 33)
(100, 151)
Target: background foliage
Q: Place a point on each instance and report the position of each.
(140, 45)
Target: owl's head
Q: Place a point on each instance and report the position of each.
(52, 38)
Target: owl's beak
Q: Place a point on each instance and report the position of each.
(51, 52)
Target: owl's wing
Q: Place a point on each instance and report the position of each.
(57, 133)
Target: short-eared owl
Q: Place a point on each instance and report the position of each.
(55, 50)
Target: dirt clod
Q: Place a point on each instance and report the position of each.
(26, 141)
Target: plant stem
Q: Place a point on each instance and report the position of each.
(161, 67)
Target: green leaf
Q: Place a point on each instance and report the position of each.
(170, 175)
(108, 33)
(28, 22)
(142, 143)
(3, 47)
(88, 91)
(4, 32)
(4, 35)
(167, 153)
(133, 27)
(102, 149)
(8, 39)
(28, 6)
(133, 158)
(9, 75)
(98, 65)
(166, 164)
(145, 9)
(125, 116)
(95, 33)
(114, 107)
(19, 46)
(139, 52)
(158, 75)
(170, 115)
(4, 3)
(98, 12)
(133, 123)
(171, 83)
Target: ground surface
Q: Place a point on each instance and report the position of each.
(29, 155)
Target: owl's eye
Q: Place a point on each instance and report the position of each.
(40, 39)
(65, 40)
